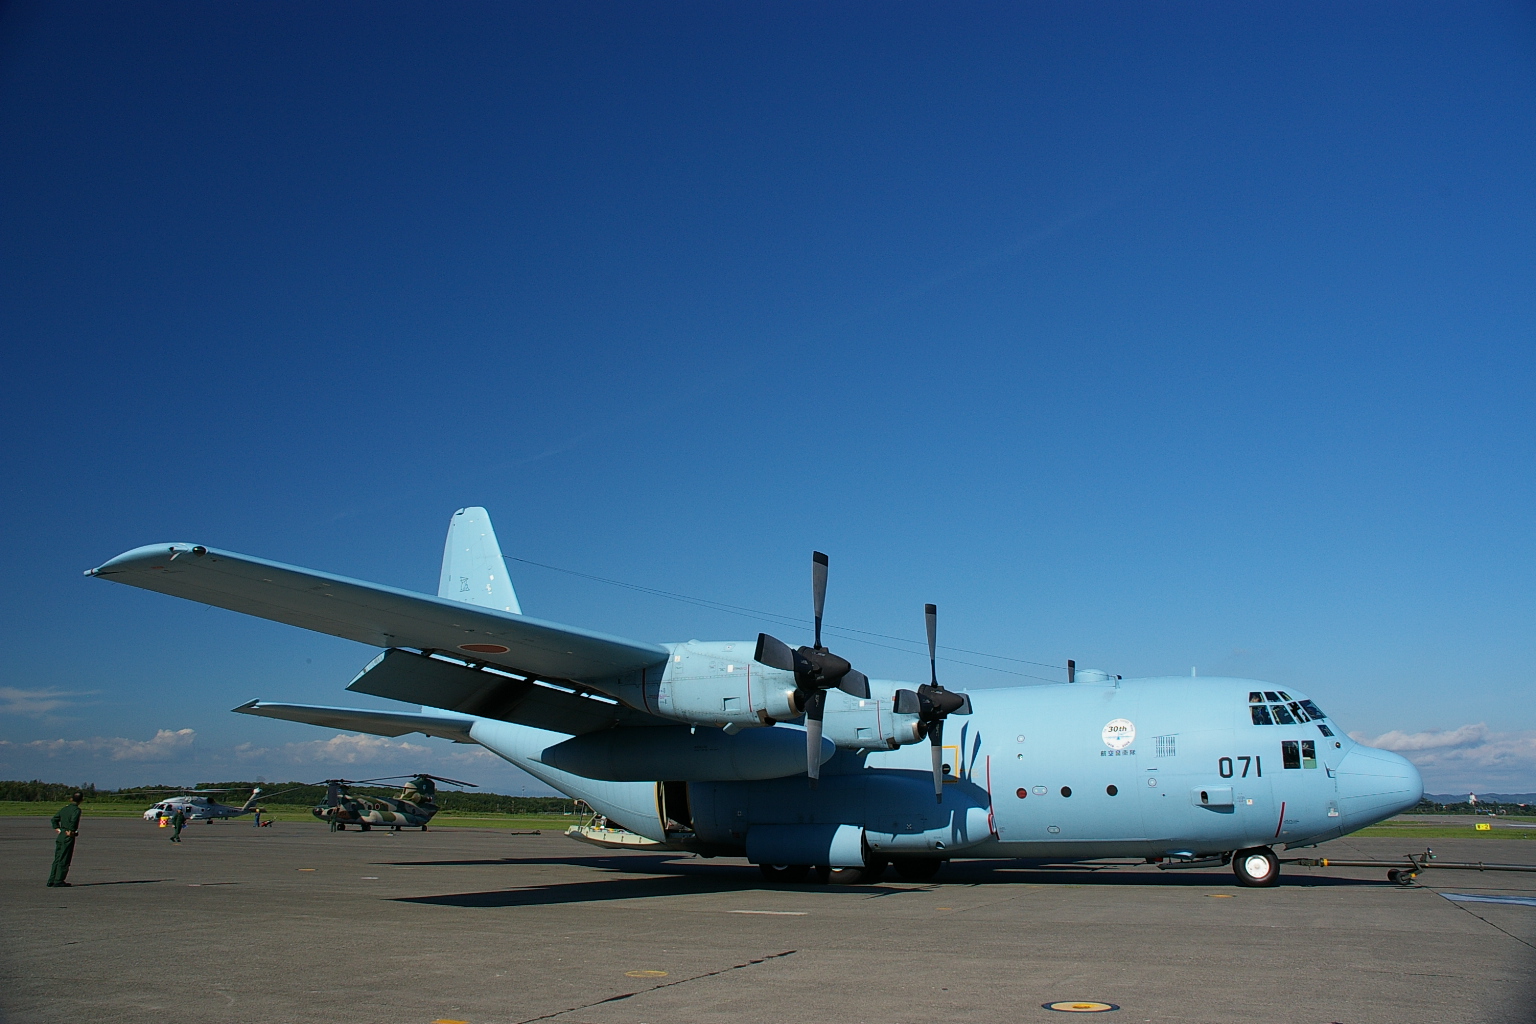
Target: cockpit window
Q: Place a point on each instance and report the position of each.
(1308, 753)
(1313, 709)
(1282, 714)
(1255, 697)
(1284, 695)
(1260, 715)
(1271, 695)
(1301, 716)
(1324, 729)
(1290, 754)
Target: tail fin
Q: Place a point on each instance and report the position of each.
(472, 567)
(251, 803)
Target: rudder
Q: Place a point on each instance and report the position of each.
(473, 570)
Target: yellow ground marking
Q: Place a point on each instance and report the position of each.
(445, 1020)
(645, 974)
(1218, 896)
(1085, 1006)
(771, 913)
(946, 908)
(306, 869)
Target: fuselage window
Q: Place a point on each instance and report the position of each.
(1255, 697)
(1290, 754)
(1260, 715)
(1282, 716)
(1301, 716)
(1324, 729)
(1271, 696)
(1313, 710)
(1308, 754)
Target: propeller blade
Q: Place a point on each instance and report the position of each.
(936, 746)
(907, 703)
(931, 613)
(818, 588)
(965, 705)
(855, 684)
(774, 653)
(815, 704)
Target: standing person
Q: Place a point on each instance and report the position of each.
(67, 824)
(178, 821)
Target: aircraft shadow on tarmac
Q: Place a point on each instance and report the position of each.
(672, 877)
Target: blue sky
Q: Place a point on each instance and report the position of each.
(1149, 336)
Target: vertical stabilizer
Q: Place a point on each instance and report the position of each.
(472, 567)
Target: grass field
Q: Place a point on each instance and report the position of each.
(1399, 829)
(120, 809)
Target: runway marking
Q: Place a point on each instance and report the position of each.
(771, 913)
(445, 1020)
(645, 974)
(1464, 897)
(306, 869)
(1080, 1006)
(1219, 896)
(370, 878)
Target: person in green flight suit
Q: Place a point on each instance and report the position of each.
(178, 821)
(67, 824)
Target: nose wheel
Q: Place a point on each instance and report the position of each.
(1257, 867)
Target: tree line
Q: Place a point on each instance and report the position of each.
(296, 794)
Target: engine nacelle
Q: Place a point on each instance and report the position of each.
(719, 685)
(680, 754)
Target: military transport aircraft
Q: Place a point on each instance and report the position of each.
(413, 808)
(792, 757)
(196, 805)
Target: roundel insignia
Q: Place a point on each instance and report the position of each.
(1080, 1006)
(484, 648)
(1119, 734)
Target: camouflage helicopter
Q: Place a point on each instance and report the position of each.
(414, 807)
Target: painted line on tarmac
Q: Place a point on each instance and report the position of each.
(1466, 897)
(772, 913)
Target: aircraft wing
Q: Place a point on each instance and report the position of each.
(382, 616)
(378, 723)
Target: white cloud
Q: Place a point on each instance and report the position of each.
(167, 745)
(1471, 757)
(16, 701)
(356, 748)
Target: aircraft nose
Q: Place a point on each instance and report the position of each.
(1376, 784)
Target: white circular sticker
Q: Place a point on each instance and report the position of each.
(1119, 734)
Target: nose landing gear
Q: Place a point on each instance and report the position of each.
(1256, 867)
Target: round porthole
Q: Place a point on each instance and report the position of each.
(1066, 790)
(1021, 792)
(1112, 790)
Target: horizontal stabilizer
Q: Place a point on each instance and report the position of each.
(383, 616)
(435, 683)
(378, 723)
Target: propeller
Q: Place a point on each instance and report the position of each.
(816, 670)
(931, 703)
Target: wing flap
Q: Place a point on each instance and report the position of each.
(382, 616)
(378, 723)
(436, 683)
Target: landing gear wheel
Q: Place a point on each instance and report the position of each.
(366, 827)
(916, 869)
(1256, 868)
(785, 872)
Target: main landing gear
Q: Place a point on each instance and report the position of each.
(1256, 867)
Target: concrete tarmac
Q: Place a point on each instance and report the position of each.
(294, 923)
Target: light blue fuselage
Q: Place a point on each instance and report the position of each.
(1036, 775)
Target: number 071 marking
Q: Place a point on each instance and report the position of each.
(1225, 767)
